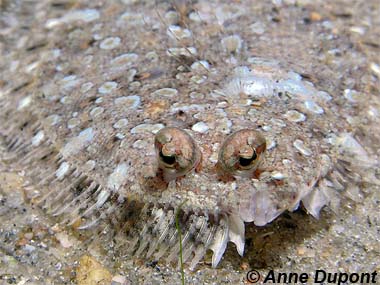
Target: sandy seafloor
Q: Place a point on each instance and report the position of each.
(35, 250)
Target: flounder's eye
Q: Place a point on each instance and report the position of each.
(241, 153)
(177, 152)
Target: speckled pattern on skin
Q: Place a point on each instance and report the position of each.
(96, 81)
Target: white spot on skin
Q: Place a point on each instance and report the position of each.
(122, 123)
(314, 107)
(118, 176)
(224, 13)
(232, 44)
(97, 37)
(14, 66)
(96, 112)
(125, 60)
(129, 2)
(263, 61)
(134, 85)
(88, 59)
(140, 144)
(295, 116)
(86, 87)
(352, 96)
(110, 43)
(129, 102)
(200, 127)
(65, 100)
(25, 102)
(62, 170)
(358, 30)
(198, 16)
(171, 17)
(31, 67)
(257, 28)
(277, 175)
(200, 66)
(198, 79)
(73, 122)
(89, 165)
(166, 92)
(152, 128)
(278, 123)
(120, 136)
(152, 56)
(250, 85)
(69, 82)
(295, 76)
(86, 15)
(323, 96)
(222, 104)
(77, 143)
(303, 90)
(199, 96)
(224, 126)
(375, 68)
(191, 108)
(300, 146)
(107, 87)
(52, 120)
(187, 52)
(130, 75)
(214, 157)
(178, 33)
(99, 100)
(373, 112)
(37, 139)
(132, 19)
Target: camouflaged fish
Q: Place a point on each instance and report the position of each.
(122, 117)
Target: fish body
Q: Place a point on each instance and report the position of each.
(98, 84)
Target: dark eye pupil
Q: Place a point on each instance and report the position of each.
(167, 159)
(247, 161)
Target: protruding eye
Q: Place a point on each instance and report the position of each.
(241, 153)
(176, 151)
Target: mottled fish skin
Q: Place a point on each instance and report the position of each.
(82, 121)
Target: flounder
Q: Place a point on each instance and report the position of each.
(131, 119)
